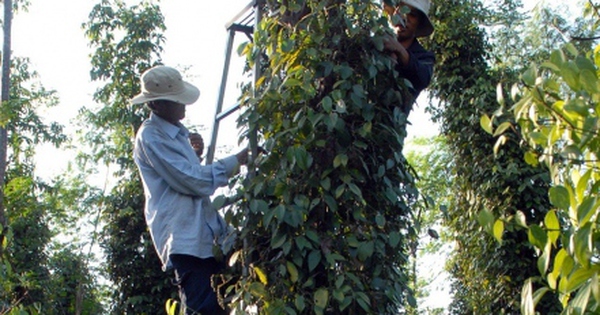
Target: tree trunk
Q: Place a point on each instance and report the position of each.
(4, 98)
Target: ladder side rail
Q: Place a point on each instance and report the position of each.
(210, 155)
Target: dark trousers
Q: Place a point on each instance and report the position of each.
(192, 276)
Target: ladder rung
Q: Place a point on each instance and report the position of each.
(222, 115)
(242, 28)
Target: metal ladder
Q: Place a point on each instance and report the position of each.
(244, 23)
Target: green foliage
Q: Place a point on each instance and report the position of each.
(32, 282)
(487, 275)
(557, 110)
(326, 220)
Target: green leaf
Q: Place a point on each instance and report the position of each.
(338, 295)
(340, 159)
(354, 189)
(292, 270)
(314, 258)
(486, 124)
(529, 76)
(589, 81)
(258, 206)
(544, 260)
(486, 220)
(380, 220)
(365, 250)
(551, 66)
(583, 245)
(595, 284)
(300, 303)
(582, 184)
(327, 104)
(558, 263)
(570, 75)
(321, 299)
(502, 128)
(258, 290)
(538, 138)
(578, 305)
(394, 239)
(340, 190)
(278, 239)
(557, 57)
(291, 82)
(587, 208)
(537, 236)
(363, 301)
(559, 197)
(578, 278)
(218, 202)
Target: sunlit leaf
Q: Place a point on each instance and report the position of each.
(486, 123)
(527, 306)
(498, 230)
(262, 276)
(552, 225)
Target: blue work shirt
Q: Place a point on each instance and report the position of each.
(418, 71)
(178, 209)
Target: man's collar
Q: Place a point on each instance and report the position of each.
(169, 128)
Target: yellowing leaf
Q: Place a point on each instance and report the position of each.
(262, 276)
(498, 230)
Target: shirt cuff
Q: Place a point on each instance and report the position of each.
(231, 165)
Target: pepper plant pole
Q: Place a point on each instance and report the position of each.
(4, 98)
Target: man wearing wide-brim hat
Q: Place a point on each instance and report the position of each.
(410, 20)
(181, 219)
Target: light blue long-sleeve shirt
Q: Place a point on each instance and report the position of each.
(178, 210)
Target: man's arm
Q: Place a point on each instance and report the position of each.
(171, 164)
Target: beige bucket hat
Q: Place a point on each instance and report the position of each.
(422, 5)
(165, 83)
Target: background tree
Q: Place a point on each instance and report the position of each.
(500, 184)
(328, 226)
(556, 107)
(127, 40)
(30, 277)
(432, 161)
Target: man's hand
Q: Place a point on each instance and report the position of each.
(395, 49)
(197, 143)
(242, 156)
